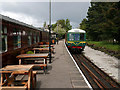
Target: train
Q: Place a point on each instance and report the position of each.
(75, 40)
(17, 36)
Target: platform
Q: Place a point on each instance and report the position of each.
(62, 72)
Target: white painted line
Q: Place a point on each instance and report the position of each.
(79, 68)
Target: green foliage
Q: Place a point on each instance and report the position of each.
(61, 27)
(106, 45)
(61, 31)
(44, 25)
(29, 52)
(103, 21)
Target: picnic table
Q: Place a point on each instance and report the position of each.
(34, 57)
(13, 70)
(42, 49)
(23, 56)
(46, 46)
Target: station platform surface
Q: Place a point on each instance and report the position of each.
(62, 72)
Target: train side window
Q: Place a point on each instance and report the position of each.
(82, 36)
(16, 38)
(34, 37)
(1, 31)
(29, 40)
(4, 39)
(71, 37)
(17, 42)
(4, 43)
(5, 30)
(38, 38)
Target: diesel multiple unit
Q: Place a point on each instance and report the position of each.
(76, 39)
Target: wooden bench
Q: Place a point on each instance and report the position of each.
(9, 73)
(38, 62)
(11, 83)
(23, 77)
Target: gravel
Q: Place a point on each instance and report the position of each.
(107, 63)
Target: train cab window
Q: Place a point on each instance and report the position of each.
(77, 37)
(4, 39)
(71, 37)
(82, 36)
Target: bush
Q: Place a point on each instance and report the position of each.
(29, 52)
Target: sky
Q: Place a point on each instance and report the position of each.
(36, 13)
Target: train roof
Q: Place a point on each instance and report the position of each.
(17, 22)
(77, 30)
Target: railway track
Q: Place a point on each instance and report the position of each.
(96, 77)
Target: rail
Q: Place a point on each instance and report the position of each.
(96, 77)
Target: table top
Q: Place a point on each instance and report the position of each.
(46, 45)
(41, 49)
(42, 55)
(15, 68)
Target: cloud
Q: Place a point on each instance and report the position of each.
(48, 0)
(23, 18)
(36, 13)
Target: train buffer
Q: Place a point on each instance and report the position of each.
(62, 72)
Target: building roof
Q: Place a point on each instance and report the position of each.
(16, 21)
(77, 30)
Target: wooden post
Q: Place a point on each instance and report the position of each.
(29, 79)
(19, 61)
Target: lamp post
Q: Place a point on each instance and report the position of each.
(50, 31)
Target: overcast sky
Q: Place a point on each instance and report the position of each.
(36, 13)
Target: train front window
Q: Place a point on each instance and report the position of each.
(82, 36)
(77, 37)
(71, 37)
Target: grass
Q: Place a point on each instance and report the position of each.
(104, 44)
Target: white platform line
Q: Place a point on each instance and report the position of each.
(79, 68)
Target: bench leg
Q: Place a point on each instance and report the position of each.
(35, 79)
(44, 69)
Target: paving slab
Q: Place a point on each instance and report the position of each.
(62, 72)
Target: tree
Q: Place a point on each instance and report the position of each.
(44, 25)
(103, 21)
(62, 25)
(61, 31)
(68, 26)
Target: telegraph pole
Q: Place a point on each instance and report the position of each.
(50, 31)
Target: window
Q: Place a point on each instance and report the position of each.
(38, 38)
(4, 43)
(4, 39)
(34, 37)
(29, 40)
(5, 30)
(71, 37)
(82, 36)
(17, 42)
(77, 37)
(16, 38)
